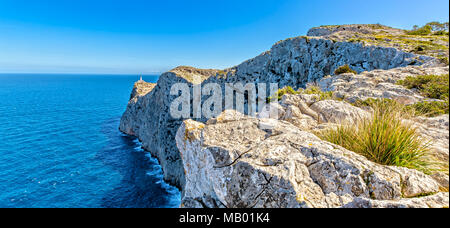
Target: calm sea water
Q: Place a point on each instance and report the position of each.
(60, 145)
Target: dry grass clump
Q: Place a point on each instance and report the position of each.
(384, 138)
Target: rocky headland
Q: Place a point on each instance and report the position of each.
(236, 160)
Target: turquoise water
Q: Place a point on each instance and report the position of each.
(60, 145)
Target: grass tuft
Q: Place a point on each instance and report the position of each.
(383, 138)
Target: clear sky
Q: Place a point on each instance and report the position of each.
(145, 36)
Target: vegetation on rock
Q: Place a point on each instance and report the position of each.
(379, 103)
(281, 92)
(432, 86)
(321, 95)
(431, 39)
(422, 31)
(424, 108)
(383, 138)
(434, 27)
(344, 69)
(443, 60)
(310, 90)
(430, 108)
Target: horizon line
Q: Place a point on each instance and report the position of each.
(84, 73)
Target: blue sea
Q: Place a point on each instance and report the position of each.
(60, 145)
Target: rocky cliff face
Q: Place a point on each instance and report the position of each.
(378, 84)
(301, 60)
(208, 162)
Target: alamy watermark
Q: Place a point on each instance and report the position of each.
(209, 100)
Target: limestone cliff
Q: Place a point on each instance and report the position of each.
(294, 62)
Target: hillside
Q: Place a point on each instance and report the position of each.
(236, 160)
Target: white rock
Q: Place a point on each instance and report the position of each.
(241, 164)
(339, 112)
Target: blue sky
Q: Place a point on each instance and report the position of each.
(137, 36)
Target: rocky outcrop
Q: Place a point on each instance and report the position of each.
(248, 162)
(327, 30)
(147, 117)
(433, 201)
(380, 35)
(436, 130)
(300, 60)
(277, 181)
(307, 112)
(378, 84)
(135, 108)
(382, 84)
(141, 88)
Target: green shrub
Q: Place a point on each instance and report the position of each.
(424, 108)
(221, 73)
(382, 104)
(430, 108)
(344, 69)
(436, 28)
(377, 26)
(281, 92)
(443, 60)
(371, 102)
(315, 90)
(420, 49)
(383, 138)
(312, 90)
(422, 31)
(432, 86)
(441, 33)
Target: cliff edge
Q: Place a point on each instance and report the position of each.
(205, 158)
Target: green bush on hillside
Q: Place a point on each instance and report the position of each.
(441, 33)
(344, 69)
(311, 90)
(422, 31)
(432, 86)
(380, 104)
(424, 108)
(281, 92)
(443, 60)
(430, 108)
(321, 95)
(431, 28)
